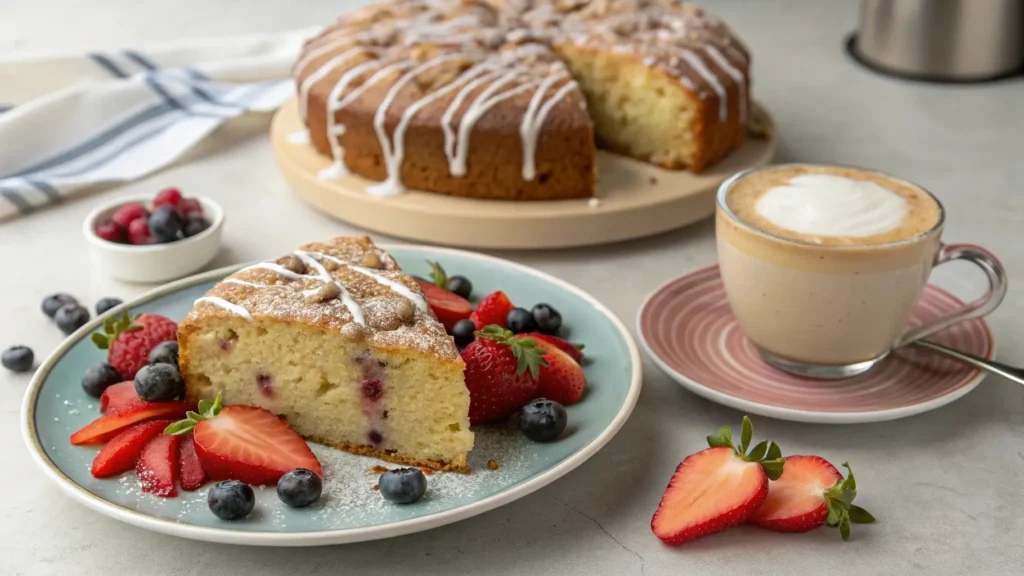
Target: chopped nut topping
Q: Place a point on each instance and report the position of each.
(293, 263)
(329, 291)
(372, 260)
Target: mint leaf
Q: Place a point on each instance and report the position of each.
(746, 434)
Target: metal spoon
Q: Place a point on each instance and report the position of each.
(1008, 372)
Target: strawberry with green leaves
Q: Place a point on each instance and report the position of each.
(718, 487)
(502, 373)
(810, 494)
(129, 340)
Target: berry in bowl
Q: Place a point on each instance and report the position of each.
(154, 239)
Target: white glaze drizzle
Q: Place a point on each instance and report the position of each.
(397, 287)
(299, 137)
(480, 105)
(704, 72)
(222, 303)
(275, 268)
(733, 72)
(320, 74)
(244, 283)
(346, 298)
(533, 120)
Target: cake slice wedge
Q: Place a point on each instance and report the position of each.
(337, 340)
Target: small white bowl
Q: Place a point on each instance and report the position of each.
(154, 262)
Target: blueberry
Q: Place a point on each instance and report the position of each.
(299, 488)
(542, 419)
(463, 331)
(159, 383)
(519, 321)
(71, 317)
(54, 302)
(105, 304)
(17, 358)
(404, 485)
(548, 320)
(231, 499)
(460, 285)
(165, 223)
(98, 378)
(164, 353)
(194, 224)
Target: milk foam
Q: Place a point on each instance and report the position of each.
(829, 205)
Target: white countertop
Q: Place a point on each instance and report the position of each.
(946, 486)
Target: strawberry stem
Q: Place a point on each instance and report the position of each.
(841, 510)
(529, 356)
(113, 327)
(437, 274)
(207, 410)
(766, 453)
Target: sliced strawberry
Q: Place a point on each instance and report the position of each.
(447, 306)
(109, 425)
(120, 397)
(192, 474)
(561, 379)
(717, 487)
(573, 350)
(123, 450)
(158, 466)
(810, 494)
(493, 309)
(245, 443)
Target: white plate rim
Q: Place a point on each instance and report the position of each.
(323, 537)
(791, 414)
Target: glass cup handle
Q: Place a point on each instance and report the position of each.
(997, 284)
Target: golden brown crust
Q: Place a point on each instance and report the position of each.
(459, 465)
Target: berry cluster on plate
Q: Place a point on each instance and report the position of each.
(515, 360)
(170, 217)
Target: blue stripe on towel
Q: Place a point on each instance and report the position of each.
(139, 59)
(14, 198)
(108, 64)
(52, 196)
(5, 108)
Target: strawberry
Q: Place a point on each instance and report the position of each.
(129, 340)
(245, 443)
(447, 306)
(123, 450)
(561, 378)
(493, 309)
(573, 350)
(170, 196)
(120, 397)
(717, 487)
(158, 466)
(191, 473)
(109, 425)
(810, 494)
(502, 372)
(128, 213)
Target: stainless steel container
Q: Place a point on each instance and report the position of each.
(945, 40)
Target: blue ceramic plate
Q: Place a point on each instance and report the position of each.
(350, 510)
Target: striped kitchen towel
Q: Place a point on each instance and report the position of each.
(70, 124)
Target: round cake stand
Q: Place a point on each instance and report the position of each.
(634, 200)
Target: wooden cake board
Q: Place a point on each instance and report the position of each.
(634, 200)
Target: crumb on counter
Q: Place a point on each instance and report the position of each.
(654, 179)
(492, 464)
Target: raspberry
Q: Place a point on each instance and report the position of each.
(128, 213)
(170, 196)
(138, 232)
(130, 341)
(188, 206)
(111, 231)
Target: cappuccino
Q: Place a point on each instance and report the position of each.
(832, 205)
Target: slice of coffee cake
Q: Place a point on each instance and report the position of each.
(339, 341)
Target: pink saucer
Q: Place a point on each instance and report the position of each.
(690, 332)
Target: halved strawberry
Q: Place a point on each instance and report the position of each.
(717, 487)
(561, 378)
(493, 309)
(123, 450)
(810, 494)
(573, 350)
(158, 466)
(245, 443)
(109, 425)
(447, 306)
(120, 397)
(192, 474)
